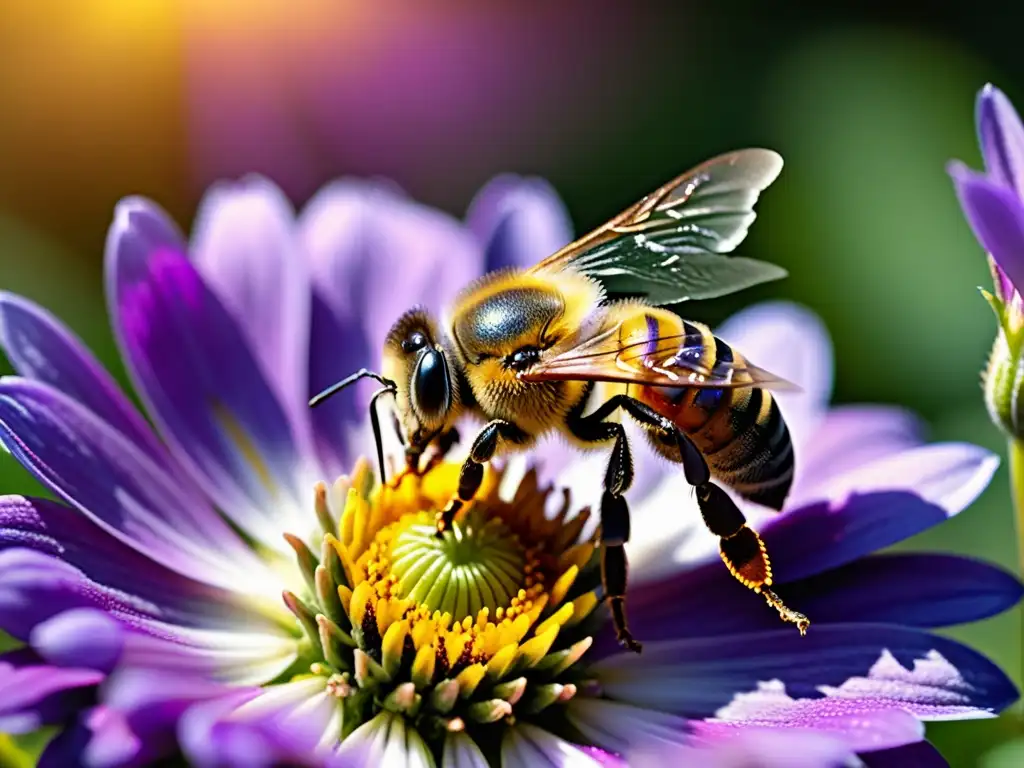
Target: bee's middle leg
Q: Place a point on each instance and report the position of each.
(485, 445)
(614, 512)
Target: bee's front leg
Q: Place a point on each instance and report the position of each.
(484, 448)
(442, 447)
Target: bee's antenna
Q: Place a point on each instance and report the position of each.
(389, 387)
(375, 423)
(362, 373)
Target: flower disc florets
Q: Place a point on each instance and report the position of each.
(460, 633)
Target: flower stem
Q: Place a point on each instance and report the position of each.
(1017, 491)
(1016, 450)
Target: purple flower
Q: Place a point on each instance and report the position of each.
(993, 203)
(149, 596)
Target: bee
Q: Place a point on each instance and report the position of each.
(580, 338)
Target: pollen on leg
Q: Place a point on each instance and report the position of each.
(745, 556)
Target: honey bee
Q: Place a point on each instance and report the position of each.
(572, 342)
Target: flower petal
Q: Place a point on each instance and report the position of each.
(138, 719)
(202, 385)
(949, 475)
(384, 740)
(920, 590)
(620, 727)
(81, 637)
(919, 755)
(97, 470)
(98, 738)
(931, 676)
(216, 733)
(851, 436)
(823, 535)
(723, 746)
(40, 347)
(34, 694)
(1002, 137)
(373, 255)
(793, 343)
(129, 581)
(34, 588)
(245, 245)
(240, 656)
(460, 751)
(927, 590)
(525, 744)
(996, 214)
(519, 221)
(863, 724)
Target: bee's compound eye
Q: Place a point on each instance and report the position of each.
(523, 358)
(431, 387)
(414, 342)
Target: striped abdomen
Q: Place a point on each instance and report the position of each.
(740, 430)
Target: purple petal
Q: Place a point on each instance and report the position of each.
(851, 436)
(82, 636)
(246, 247)
(374, 254)
(622, 728)
(930, 676)
(203, 387)
(239, 655)
(723, 746)
(526, 744)
(97, 470)
(150, 704)
(119, 577)
(98, 738)
(816, 537)
(996, 215)
(793, 343)
(40, 347)
(518, 221)
(920, 591)
(34, 588)
(950, 475)
(34, 694)
(919, 755)
(1002, 137)
(216, 734)
(863, 724)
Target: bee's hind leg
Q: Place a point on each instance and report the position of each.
(741, 548)
(472, 474)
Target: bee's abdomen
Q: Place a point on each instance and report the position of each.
(749, 448)
(740, 430)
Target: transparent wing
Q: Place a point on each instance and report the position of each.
(667, 361)
(671, 246)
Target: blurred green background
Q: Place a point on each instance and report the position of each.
(104, 98)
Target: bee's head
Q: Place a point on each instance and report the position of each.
(426, 392)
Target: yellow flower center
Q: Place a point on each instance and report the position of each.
(474, 627)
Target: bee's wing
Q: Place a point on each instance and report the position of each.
(667, 361)
(671, 245)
